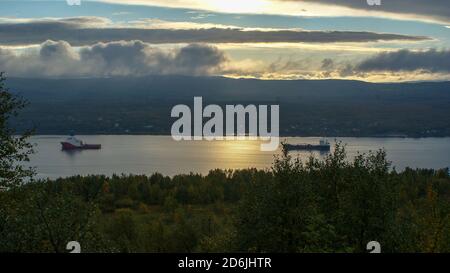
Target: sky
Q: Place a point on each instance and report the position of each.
(399, 40)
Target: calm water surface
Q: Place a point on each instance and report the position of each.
(149, 154)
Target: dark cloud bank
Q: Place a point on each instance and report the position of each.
(438, 10)
(136, 58)
(405, 60)
(80, 31)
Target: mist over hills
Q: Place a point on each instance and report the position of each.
(142, 105)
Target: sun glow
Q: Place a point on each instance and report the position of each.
(239, 6)
(294, 8)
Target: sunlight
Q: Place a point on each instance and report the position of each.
(240, 145)
(239, 6)
(293, 8)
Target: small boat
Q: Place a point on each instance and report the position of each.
(72, 143)
(323, 145)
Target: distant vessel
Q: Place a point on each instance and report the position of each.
(323, 145)
(72, 143)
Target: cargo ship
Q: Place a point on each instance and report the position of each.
(323, 145)
(72, 143)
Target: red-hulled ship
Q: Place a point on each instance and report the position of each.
(72, 143)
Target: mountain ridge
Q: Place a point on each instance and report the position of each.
(141, 105)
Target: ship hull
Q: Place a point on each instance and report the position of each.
(69, 146)
(307, 147)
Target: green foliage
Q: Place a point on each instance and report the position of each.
(36, 218)
(330, 205)
(13, 149)
(336, 205)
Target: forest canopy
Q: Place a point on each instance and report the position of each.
(330, 205)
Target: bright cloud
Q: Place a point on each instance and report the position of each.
(431, 10)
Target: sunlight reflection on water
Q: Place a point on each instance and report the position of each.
(149, 154)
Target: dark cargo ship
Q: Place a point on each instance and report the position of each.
(323, 145)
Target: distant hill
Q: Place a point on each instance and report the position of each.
(320, 108)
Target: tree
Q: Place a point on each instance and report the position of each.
(14, 149)
(329, 205)
(32, 219)
(39, 217)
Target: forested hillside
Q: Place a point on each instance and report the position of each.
(308, 108)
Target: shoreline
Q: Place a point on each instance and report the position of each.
(282, 136)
